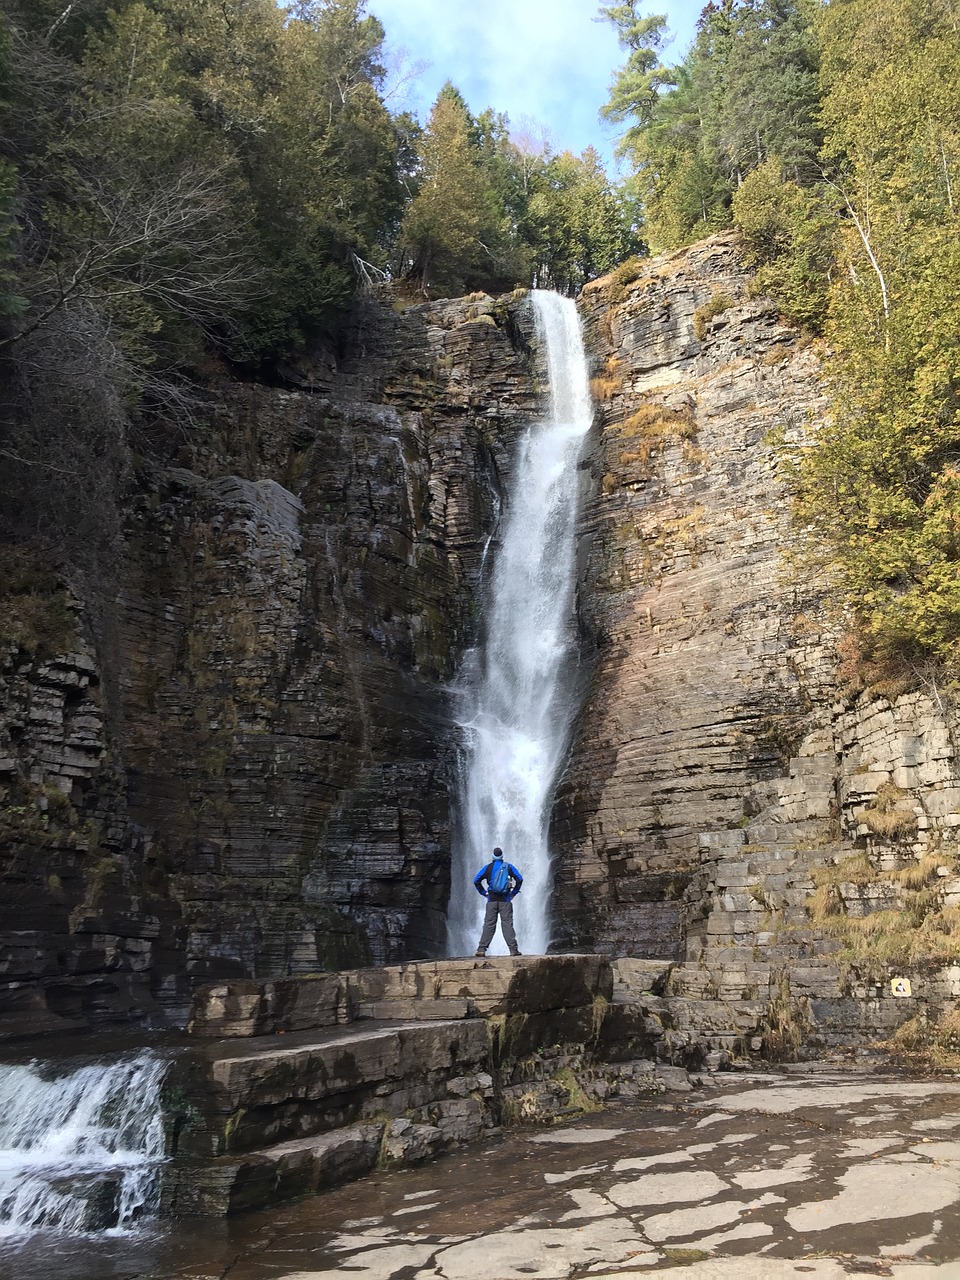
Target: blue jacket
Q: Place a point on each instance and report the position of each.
(515, 883)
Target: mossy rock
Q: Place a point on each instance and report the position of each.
(35, 613)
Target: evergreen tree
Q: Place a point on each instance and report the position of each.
(746, 91)
(788, 234)
(180, 173)
(449, 223)
(321, 167)
(880, 491)
(635, 90)
(581, 226)
(768, 97)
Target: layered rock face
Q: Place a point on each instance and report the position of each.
(78, 925)
(249, 776)
(393, 1066)
(272, 794)
(720, 763)
(707, 654)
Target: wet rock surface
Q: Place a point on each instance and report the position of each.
(754, 1177)
(255, 1117)
(248, 775)
(432, 1056)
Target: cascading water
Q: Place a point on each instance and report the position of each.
(80, 1151)
(516, 702)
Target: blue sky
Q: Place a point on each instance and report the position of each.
(546, 60)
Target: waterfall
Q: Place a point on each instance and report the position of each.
(81, 1150)
(516, 702)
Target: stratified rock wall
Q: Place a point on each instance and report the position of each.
(78, 923)
(297, 591)
(288, 725)
(249, 774)
(706, 653)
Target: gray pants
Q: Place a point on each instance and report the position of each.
(503, 908)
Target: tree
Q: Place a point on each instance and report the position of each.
(788, 234)
(322, 171)
(582, 226)
(635, 89)
(174, 175)
(444, 223)
(746, 91)
(879, 492)
(136, 220)
(769, 94)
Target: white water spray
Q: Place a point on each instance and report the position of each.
(517, 702)
(81, 1151)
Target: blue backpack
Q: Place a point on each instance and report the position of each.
(499, 877)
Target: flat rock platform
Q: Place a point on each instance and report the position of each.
(800, 1173)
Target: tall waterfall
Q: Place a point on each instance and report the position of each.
(80, 1150)
(516, 697)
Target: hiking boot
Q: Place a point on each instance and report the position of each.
(516, 953)
(479, 953)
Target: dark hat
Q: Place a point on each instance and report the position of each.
(498, 853)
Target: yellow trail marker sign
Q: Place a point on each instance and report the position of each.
(900, 986)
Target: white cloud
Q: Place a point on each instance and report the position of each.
(547, 59)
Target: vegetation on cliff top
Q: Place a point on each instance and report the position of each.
(181, 177)
(187, 170)
(829, 133)
(183, 180)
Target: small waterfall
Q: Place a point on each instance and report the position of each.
(79, 1151)
(516, 701)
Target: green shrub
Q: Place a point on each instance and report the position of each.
(788, 233)
(719, 303)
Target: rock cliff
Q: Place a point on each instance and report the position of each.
(250, 772)
(708, 654)
(723, 758)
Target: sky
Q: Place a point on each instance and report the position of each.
(546, 61)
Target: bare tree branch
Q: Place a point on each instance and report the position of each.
(863, 231)
(169, 244)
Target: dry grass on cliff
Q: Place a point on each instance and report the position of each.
(919, 931)
(887, 815)
(862, 666)
(650, 430)
(608, 381)
(916, 875)
(929, 1044)
(660, 422)
(784, 1026)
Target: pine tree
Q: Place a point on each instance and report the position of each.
(582, 227)
(444, 222)
(746, 91)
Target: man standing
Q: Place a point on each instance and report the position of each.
(503, 882)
